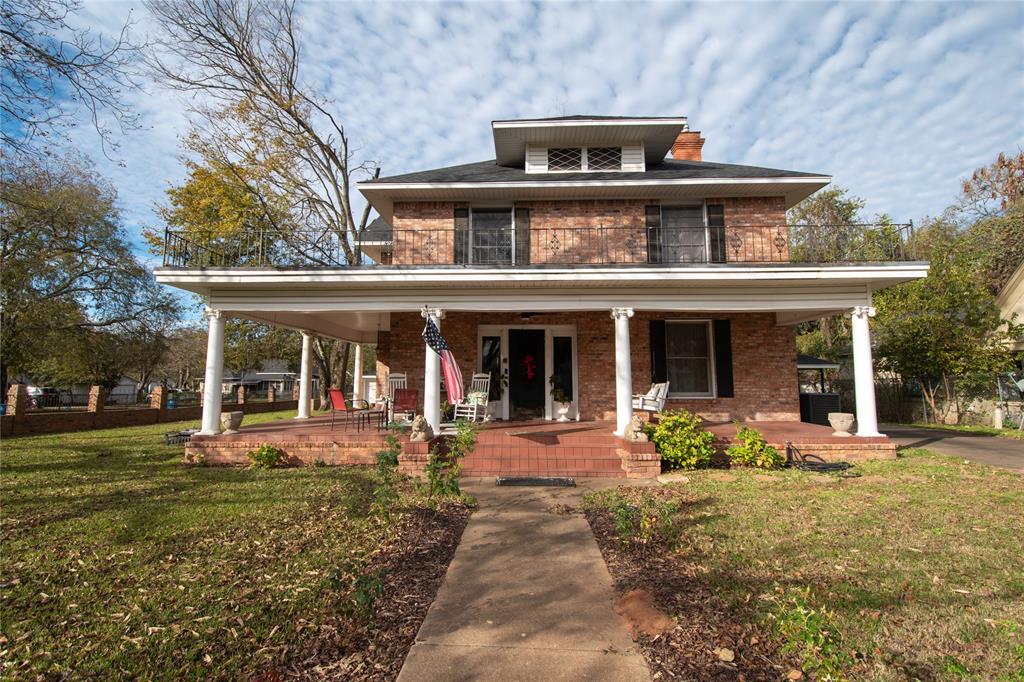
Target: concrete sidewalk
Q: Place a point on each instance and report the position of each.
(1006, 453)
(526, 597)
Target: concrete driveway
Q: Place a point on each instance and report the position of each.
(993, 450)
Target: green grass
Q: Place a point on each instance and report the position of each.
(1016, 434)
(912, 571)
(119, 561)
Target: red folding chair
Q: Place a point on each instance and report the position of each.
(406, 402)
(338, 404)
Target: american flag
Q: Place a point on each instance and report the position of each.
(450, 368)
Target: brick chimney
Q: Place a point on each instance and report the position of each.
(687, 145)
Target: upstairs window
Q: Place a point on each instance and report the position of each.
(565, 159)
(604, 158)
(584, 159)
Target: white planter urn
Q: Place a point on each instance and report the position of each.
(562, 410)
(230, 421)
(841, 423)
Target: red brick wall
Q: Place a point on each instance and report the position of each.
(764, 359)
(424, 231)
(752, 226)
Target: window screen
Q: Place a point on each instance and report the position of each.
(688, 357)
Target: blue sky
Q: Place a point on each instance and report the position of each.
(898, 102)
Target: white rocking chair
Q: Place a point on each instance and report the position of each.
(474, 404)
(653, 400)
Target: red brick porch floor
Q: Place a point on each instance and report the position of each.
(536, 448)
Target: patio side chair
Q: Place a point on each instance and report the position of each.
(474, 404)
(396, 381)
(340, 406)
(406, 403)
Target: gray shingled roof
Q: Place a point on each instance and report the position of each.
(379, 230)
(669, 169)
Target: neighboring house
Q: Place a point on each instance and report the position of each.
(579, 251)
(1011, 301)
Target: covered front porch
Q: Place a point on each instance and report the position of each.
(604, 331)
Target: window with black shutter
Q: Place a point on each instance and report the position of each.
(522, 236)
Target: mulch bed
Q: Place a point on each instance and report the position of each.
(704, 624)
(413, 567)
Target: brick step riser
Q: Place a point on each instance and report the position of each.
(544, 453)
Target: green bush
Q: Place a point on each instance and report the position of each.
(445, 463)
(681, 440)
(265, 457)
(750, 449)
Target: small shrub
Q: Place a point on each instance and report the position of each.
(320, 464)
(811, 634)
(681, 440)
(750, 449)
(388, 457)
(445, 463)
(646, 522)
(265, 457)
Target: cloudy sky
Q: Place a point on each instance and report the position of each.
(897, 101)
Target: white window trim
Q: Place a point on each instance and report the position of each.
(704, 217)
(491, 207)
(584, 168)
(710, 327)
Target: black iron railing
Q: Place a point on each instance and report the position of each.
(538, 246)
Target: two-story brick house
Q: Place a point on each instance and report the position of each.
(601, 250)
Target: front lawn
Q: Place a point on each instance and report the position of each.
(120, 562)
(912, 570)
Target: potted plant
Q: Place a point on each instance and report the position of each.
(563, 401)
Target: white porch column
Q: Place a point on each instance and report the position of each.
(432, 375)
(214, 372)
(863, 372)
(357, 374)
(306, 376)
(623, 370)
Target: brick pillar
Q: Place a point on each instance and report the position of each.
(241, 395)
(97, 399)
(17, 400)
(271, 394)
(158, 401)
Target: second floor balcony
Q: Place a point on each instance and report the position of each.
(541, 246)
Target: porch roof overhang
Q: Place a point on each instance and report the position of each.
(356, 303)
(383, 195)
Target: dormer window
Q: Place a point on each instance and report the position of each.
(584, 159)
(565, 159)
(604, 158)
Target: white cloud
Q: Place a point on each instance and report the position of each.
(896, 101)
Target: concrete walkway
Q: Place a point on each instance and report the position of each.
(526, 597)
(993, 450)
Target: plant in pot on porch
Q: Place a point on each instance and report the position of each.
(563, 401)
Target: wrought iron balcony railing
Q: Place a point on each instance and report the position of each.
(540, 246)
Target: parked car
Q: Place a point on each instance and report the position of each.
(46, 396)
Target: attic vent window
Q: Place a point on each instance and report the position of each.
(565, 159)
(604, 158)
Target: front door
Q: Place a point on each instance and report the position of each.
(527, 381)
